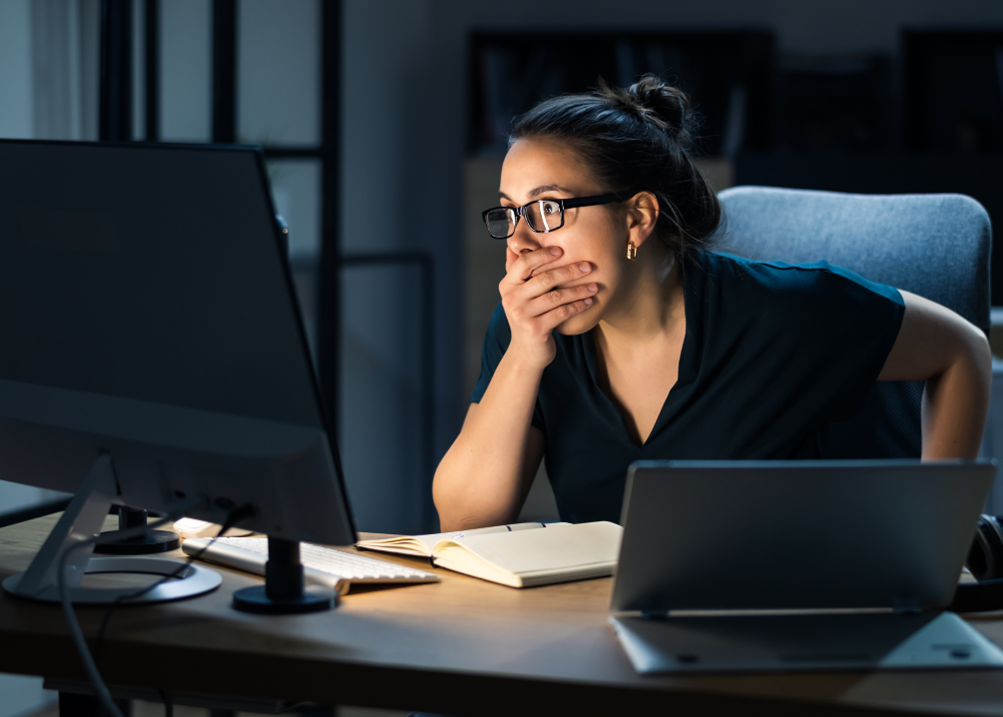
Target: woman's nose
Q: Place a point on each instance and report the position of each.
(523, 240)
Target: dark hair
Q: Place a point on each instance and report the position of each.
(634, 140)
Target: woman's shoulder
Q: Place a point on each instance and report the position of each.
(785, 309)
(727, 265)
(734, 274)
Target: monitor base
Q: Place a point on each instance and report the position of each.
(193, 580)
(68, 549)
(154, 541)
(284, 591)
(255, 599)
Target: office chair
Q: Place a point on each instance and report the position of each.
(933, 245)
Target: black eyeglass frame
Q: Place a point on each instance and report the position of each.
(595, 201)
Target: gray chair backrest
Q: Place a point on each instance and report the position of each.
(933, 245)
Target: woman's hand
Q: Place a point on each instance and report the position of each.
(536, 301)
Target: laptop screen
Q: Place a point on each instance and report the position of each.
(755, 535)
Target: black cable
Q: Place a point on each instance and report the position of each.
(231, 520)
(76, 633)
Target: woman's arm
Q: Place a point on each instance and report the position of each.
(952, 355)
(484, 477)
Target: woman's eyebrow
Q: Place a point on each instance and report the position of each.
(543, 188)
(548, 188)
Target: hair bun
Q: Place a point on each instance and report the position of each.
(667, 103)
(656, 102)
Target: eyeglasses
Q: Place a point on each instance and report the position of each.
(542, 216)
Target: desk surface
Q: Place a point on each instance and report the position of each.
(462, 646)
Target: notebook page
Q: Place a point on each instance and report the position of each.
(559, 547)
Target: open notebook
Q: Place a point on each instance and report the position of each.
(519, 555)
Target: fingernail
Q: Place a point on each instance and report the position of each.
(555, 250)
(585, 267)
(588, 302)
(593, 287)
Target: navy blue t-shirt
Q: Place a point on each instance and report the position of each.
(772, 353)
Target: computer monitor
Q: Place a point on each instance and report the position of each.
(151, 333)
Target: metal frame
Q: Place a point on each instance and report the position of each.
(151, 68)
(224, 71)
(329, 270)
(115, 96)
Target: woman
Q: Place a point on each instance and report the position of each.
(620, 336)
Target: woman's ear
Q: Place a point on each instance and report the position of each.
(642, 214)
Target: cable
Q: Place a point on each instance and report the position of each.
(231, 519)
(71, 618)
(76, 633)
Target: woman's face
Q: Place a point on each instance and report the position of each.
(546, 169)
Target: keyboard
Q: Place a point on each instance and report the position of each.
(333, 568)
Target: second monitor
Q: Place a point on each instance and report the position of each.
(149, 318)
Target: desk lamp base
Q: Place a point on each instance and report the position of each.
(284, 592)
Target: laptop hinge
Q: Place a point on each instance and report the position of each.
(655, 614)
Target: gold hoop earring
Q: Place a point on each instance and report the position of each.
(631, 251)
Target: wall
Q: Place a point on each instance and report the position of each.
(185, 71)
(16, 96)
(385, 210)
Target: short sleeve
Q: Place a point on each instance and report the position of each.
(833, 330)
(496, 341)
(863, 334)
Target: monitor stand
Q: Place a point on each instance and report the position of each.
(152, 541)
(82, 520)
(284, 592)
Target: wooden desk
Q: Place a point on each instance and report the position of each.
(462, 646)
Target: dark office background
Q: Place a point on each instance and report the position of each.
(384, 125)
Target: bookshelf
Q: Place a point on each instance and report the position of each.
(727, 74)
(953, 90)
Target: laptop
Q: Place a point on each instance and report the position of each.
(798, 565)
